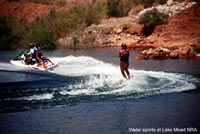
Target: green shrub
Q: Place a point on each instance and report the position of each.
(12, 0)
(151, 19)
(94, 14)
(9, 36)
(52, 12)
(45, 30)
(64, 23)
(5, 34)
(78, 18)
(112, 8)
(47, 2)
(107, 29)
(196, 46)
(44, 38)
(89, 39)
(118, 8)
(148, 3)
(61, 3)
(91, 18)
(125, 25)
(160, 1)
(76, 41)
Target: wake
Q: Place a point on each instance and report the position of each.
(106, 79)
(83, 79)
(98, 78)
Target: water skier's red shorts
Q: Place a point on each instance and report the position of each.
(124, 65)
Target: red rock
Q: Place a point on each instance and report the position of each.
(29, 10)
(135, 29)
(174, 55)
(181, 32)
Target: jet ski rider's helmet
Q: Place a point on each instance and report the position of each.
(32, 45)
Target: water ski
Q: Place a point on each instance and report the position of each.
(131, 76)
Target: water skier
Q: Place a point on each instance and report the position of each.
(124, 61)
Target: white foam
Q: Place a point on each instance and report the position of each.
(100, 78)
(46, 96)
(106, 79)
(9, 67)
(83, 65)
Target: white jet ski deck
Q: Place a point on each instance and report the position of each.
(19, 60)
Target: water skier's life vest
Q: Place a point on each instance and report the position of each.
(124, 55)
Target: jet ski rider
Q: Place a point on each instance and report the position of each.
(31, 56)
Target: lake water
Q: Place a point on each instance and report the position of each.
(86, 94)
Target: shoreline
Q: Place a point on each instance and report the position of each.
(174, 65)
(179, 39)
(174, 40)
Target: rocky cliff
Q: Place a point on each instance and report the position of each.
(172, 40)
(178, 36)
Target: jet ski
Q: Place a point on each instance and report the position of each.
(20, 59)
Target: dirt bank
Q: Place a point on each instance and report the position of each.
(29, 11)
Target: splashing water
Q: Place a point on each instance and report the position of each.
(104, 78)
(83, 78)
